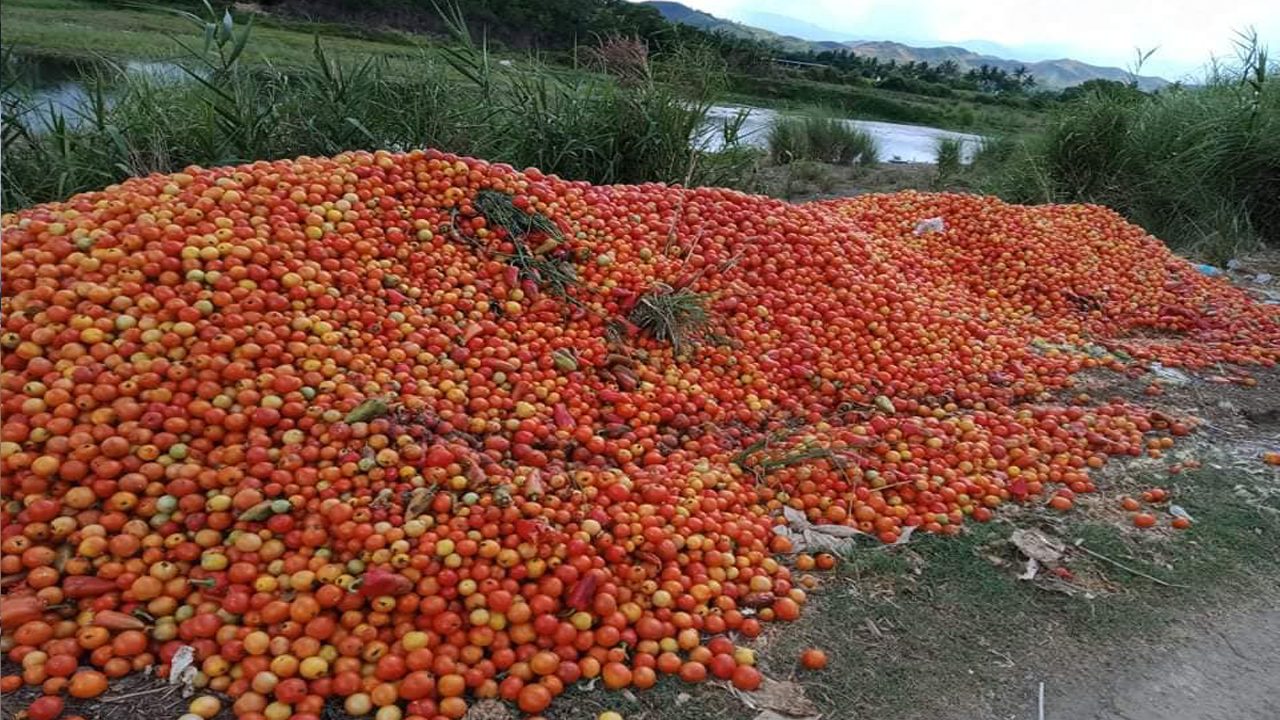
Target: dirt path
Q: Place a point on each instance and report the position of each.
(1223, 667)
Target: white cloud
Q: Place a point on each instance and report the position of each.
(1096, 31)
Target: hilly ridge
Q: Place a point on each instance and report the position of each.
(1052, 74)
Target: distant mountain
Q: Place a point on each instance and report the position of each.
(986, 47)
(1060, 73)
(792, 34)
(795, 27)
(678, 12)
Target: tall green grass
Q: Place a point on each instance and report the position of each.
(948, 156)
(819, 137)
(786, 140)
(589, 126)
(1196, 166)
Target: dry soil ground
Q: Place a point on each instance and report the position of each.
(1216, 666)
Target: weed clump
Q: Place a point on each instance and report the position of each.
(676, 317)
(1197, 166)
(822, 138)
(948, 156)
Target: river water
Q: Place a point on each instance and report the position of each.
(62, 85)
(897, 142)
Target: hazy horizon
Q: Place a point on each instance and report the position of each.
(1098, 32)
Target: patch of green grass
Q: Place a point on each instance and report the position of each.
(80, 28)
(1228, 533)
(670, 699)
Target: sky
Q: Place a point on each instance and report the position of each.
(1101, 32)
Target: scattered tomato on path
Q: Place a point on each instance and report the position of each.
(813, 659)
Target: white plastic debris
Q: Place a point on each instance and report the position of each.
(183, 670)
(777, 700)
(930, 225)
(1038, 546)
(1039, 549)
(808, 537)
(1170, 375)
(181, 661)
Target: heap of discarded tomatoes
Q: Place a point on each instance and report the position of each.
(331, 427)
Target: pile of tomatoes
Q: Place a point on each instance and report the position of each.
(313, 419)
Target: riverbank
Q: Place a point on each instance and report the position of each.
(90, 31)
(895, 142)
(225, 109)
(77, 123)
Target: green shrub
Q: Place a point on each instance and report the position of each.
(1197, 166)
(787, 140)
(819, 137)
(948, 152)
(833, 140)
